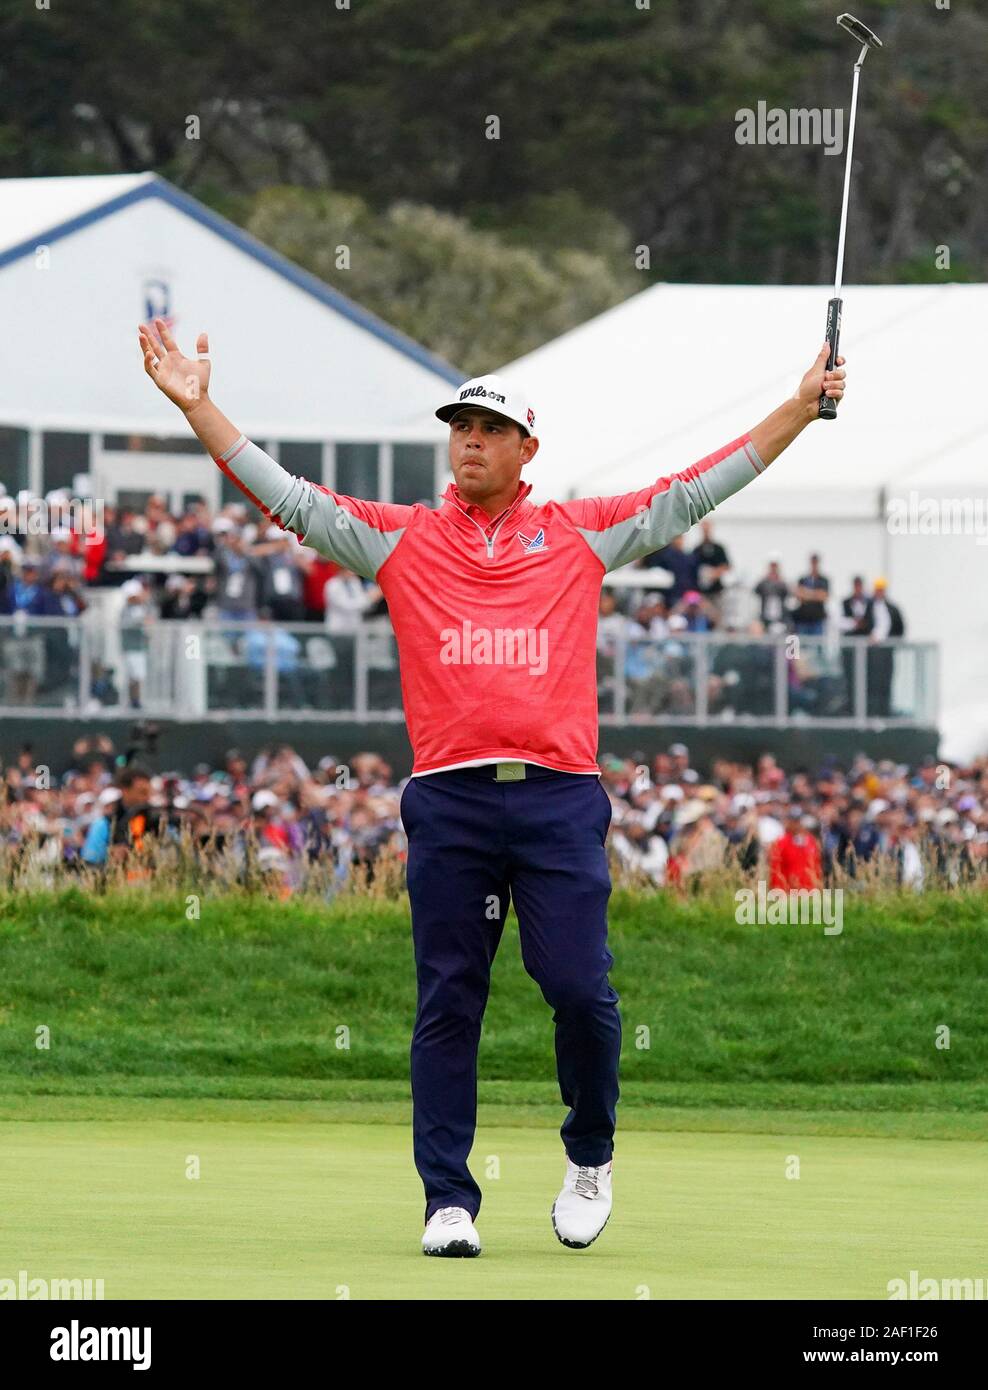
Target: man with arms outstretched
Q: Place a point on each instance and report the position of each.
(494, 605)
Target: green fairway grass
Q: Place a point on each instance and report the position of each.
(914, 1112)
(255, 998)
(219, 1037)
(330, 1210)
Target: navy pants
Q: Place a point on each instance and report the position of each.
(473, 844)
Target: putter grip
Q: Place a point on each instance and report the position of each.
(828, 407)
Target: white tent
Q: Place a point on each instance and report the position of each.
(83, 260)
(678, 370)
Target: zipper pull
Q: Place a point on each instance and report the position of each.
(490, 547)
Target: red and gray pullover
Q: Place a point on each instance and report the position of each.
(495, 619)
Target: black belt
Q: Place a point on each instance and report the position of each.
(509, 772)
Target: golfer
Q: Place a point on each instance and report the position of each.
(494, 605)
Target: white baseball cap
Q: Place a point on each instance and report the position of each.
(491, 393)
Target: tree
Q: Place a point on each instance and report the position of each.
(466, 294)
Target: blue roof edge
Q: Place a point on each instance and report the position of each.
(157, 187)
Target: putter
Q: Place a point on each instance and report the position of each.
(864, 36)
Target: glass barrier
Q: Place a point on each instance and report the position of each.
(185, 670)
(380, 653)
(742, 678)
(660, 678)
(40, 663)
(820, 679)
(322, 675)
(901, 681)
(234, 658)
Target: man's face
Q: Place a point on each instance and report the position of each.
(486, 452)
(138, 793)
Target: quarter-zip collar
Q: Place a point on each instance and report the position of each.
(488, 526)
(453, 494)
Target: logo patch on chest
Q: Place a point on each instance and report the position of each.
(532, 543)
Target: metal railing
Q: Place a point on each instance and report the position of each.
(214, 670)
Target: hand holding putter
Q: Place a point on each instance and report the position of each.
(859, 31)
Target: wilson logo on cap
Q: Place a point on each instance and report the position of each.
(479, 391)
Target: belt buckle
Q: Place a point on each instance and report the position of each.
(510, 772)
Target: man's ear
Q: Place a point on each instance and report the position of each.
(529, 448)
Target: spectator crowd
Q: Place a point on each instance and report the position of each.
(258, 570)
(254, 569)
(697, 598)
(658, 671)
(802, 828)
(671, 825)
(235, 568)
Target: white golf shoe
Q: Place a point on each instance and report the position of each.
(450, 1231)
(580, 1212)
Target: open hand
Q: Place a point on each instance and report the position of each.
(184, 380)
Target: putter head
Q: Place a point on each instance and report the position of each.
(859, 31)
